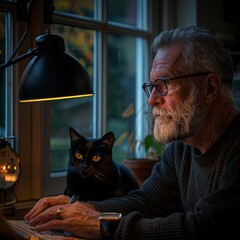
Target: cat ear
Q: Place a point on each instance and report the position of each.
(74, 135)
(108, 139)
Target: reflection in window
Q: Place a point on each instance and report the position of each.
(76, 113)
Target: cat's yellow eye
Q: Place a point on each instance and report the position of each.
(79, 156)
(96, 158)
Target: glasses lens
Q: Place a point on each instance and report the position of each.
(161, 86)
(147, 87)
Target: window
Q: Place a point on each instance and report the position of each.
(113, 48)
(111, 40)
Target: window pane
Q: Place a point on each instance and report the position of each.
(83, 8)
(121, 84)
(76, 113)
(2, 74)
(129, 12)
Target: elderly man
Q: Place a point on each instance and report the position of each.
(194, 191)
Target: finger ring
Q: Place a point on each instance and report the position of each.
(58, 213)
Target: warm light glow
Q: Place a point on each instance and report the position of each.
(9, 170)
(10, 178)
(56, 98)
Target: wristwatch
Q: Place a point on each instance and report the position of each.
(108, 224)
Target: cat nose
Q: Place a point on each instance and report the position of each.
(84, 165)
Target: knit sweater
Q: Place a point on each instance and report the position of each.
(187, 196)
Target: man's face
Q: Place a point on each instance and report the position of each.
(177, 115)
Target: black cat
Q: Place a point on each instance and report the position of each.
(92, 173)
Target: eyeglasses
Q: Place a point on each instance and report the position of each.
(161, 84)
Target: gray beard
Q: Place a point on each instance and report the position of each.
(180, 124)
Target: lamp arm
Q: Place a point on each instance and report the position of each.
(29, 53)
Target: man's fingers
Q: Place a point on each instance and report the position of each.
(52, 224)
(46, 216)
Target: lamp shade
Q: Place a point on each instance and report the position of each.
(53, 74)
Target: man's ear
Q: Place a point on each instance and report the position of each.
(213, 85)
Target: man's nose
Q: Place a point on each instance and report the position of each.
(155, 98)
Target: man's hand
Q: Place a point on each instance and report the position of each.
(77, 218)
(45, 203)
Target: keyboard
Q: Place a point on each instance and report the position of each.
(23, 231)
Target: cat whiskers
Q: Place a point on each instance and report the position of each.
(73, 169)
(102, 177)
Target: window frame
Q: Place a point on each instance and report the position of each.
(9, 12)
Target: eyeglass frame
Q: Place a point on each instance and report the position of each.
(166, 82)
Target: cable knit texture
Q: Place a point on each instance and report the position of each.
(188, 196)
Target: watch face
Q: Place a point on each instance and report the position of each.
(9, 167)
(109, 216)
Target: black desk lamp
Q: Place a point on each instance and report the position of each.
(52, 73)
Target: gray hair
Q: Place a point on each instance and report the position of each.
(202, 51)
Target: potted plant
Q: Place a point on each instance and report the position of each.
(141, 167)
